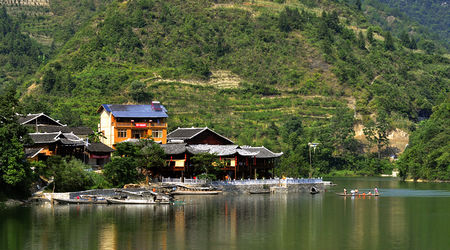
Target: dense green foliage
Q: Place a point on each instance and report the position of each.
(433, 14)
(428, 152)
(206, 166)
(19, 55)
(293, 61)
(15, 172)
(134, 160)
(427, 28)
(71, 175)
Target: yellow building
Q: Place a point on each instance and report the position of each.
(119, 123)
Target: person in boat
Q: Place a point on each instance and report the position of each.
(356, 191)
(345, 191)
(369, 193)
(352, 192)
(375, 191)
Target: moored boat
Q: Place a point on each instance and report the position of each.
(260, 192)
(90, 200)
(136, 201)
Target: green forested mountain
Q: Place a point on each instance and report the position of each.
(19, 55)
(432, 14)
(278, 73)
(428, 152)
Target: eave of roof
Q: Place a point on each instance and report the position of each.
(31, 117)
(171, 136)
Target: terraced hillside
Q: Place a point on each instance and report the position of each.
(243, 68)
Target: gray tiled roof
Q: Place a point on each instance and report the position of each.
(65, 129)
(189, 133)
(174, 148)
(219, 150)
(98, 147)
(262, 152)
(65, 138)
(45, 137)
(31, 117)
(184, 133)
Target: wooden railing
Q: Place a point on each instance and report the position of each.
(133, 124)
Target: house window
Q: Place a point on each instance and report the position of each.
(122, 133)
(157, 134)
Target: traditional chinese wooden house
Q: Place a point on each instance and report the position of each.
(119, 123)
(58, 143)
(53, 138)
(239, 162)
(98, 154)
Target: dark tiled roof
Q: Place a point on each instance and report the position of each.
(174, 148)
(184, 133)
(262, 152)
(98, 147)
(45, 137)
(68, 139)
(65, 129)
(135, 111)
(24, 120)
(219, 150)
(189, 133)
(32, 152)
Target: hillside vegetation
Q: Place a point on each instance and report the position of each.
(304, 67)
(434, 15)
(19, 55)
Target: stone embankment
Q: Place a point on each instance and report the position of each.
(289, 188)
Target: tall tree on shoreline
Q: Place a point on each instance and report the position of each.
(15, 172)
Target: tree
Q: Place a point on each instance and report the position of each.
(361, 41)
(123, 168)
(206, 165)
(428, 153)
(389, 41)
(69, 174)
(342, 130)
(377, 132)
(15, 172)
(358, 4)
(413, 44)
(151, 157)
(139, 92)
(121, 171)
(405, 40)
(370, 35)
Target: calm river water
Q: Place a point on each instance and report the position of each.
(406, 216)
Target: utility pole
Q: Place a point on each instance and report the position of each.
(311, 145)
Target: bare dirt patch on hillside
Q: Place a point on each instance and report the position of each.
(221, 79)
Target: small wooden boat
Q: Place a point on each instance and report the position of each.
(260, 192)
(187, 190)
(357, 195)
(137, 201)
(82, 201)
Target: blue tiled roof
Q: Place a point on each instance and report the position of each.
(135, 111)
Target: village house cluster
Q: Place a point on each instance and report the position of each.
(130, 123)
